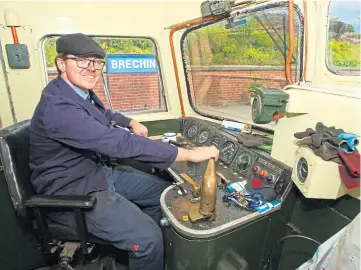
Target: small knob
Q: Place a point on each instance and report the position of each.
(164, 222)
(262, 173)
(270, 178)
(255, 169)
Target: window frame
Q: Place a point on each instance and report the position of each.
(155, 52)
(247, 12)
(332, 72)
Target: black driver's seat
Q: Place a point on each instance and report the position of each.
(31, 208)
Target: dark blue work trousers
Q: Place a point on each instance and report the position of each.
(127, 215)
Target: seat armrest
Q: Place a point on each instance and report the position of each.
(61, 201)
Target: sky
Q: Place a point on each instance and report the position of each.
(347, 11)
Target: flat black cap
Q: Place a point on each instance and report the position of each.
(80, 45)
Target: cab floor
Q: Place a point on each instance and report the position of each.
(98, 265)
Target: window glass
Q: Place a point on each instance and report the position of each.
(227, 60)
(131, 74)
(343, 55)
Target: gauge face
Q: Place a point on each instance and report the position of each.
(185, 123)
(244, 161)
(302, 170)
(215, 141)
(203, 136)
(192, 131)
(256, 109)
(227, 152)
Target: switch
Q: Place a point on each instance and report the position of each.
(270, 178)
(18, 56)
(262, 173)
(255, 169)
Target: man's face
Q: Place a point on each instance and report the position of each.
(79, 72)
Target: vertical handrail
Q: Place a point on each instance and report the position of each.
(173, 29)
(291, 41)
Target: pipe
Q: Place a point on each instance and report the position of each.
(15, 35)
(306, 39)
(209, 190)
(291, 41)
(107, 92)
(173, 29)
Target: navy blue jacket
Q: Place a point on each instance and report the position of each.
(65, 132)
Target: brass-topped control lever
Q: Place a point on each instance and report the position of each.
(196, 188)
(206, 209)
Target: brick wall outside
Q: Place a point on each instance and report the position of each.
(215, 86)
(130, 92)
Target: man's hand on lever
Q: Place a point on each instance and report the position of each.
(138, 128)
(198, 154)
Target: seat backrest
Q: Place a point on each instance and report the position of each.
(14, 154)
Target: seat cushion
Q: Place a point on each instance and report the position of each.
(61, 232)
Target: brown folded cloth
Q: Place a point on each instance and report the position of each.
(328, 152)
(250, 140)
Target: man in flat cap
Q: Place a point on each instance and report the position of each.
(70, 131)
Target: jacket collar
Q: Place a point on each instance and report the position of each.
(68, 92)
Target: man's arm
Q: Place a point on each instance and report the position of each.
(124, 121)
(70, 125)
(118, 118)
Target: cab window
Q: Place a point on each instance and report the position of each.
(343, 52)
(131, 74)
(226, 61)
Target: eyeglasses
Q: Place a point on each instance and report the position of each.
(85, 63)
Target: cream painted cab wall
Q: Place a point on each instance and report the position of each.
(103, 18)
(6, 117)
(321, 105)
(331, 99)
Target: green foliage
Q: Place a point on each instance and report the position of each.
(344, 54)
(245, 45)
(254, 84)
(250, 44)
(50, 52)
(129, 46)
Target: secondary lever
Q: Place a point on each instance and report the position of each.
(224, 180)
(196, 188)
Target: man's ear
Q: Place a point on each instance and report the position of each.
(60, 64)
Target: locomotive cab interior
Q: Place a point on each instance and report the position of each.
(277, 93)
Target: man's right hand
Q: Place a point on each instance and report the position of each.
(198, 154)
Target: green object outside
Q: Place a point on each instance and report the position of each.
(266, 103)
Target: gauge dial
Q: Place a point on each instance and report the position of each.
(185, 123)
(244, 161)
(192, 131)
(228, 151)
(257, 110)
(203, 136)
(215, 141)
(302, 170)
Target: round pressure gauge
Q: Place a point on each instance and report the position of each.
(192, 131)
(203, 136)
(244, 161)
(215, 141)
(302, 170)
(256, 109)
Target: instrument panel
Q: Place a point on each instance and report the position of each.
(203, 134)
(255, 165)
